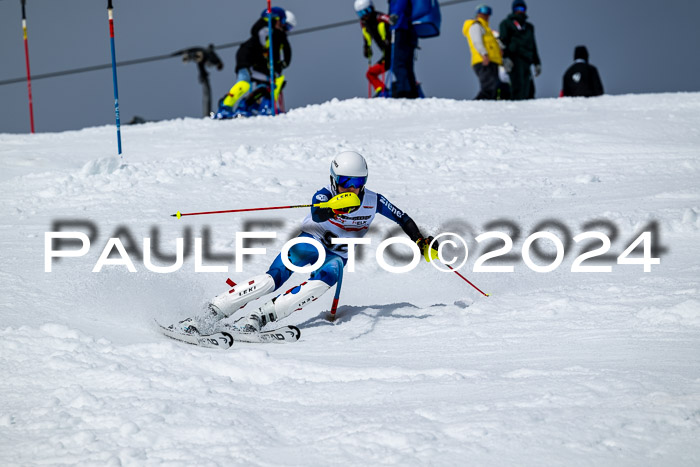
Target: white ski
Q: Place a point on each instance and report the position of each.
(279, 335)
(224, 338)
(217, 340)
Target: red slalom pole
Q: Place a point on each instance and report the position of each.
(26, 56)
(468, 282)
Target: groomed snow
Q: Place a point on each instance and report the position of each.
(557, 368)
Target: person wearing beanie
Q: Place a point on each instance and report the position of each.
(486, 52)
(520, 51)
(581, 79)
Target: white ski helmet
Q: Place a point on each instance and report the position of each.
(291, 21)
(363, 7)
(348, 169)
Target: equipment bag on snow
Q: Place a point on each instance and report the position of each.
(426, 18)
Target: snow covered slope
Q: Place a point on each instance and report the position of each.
(555, 368)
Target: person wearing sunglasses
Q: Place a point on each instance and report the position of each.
(520, 51)
(341, 215)
(485, 51)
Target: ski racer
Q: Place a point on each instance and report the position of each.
(253, 66)
(375, 27)
(349, 217)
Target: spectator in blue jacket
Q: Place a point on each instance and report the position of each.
(404, 47)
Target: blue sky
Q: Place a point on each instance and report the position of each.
(622, 38)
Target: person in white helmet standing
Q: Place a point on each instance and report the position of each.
(375, 29)
(349, 217)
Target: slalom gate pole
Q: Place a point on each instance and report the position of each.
(467, 280)
(391, 68)
(114, 75)
(272, 59)
(26, 57)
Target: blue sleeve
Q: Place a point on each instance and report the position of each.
(321, 214)
(403, 9)
(388, 210)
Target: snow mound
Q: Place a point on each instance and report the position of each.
(556, 368)
(102, 166)
(686, 313)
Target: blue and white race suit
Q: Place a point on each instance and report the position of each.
(323, 227)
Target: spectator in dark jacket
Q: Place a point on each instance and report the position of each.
(405, 43)
(253, 53)
(520, 51)
(581, 79)
(253, 59)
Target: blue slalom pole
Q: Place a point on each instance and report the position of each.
(272, 60)
(114, 75)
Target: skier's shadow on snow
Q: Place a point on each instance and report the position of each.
(347, 313)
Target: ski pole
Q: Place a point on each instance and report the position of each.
(272, 60)
(29, 75)
(181, 214)
(114, 75)
(341, 201)
(468, 282)
(338, 285)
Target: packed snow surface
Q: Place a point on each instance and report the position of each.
(554, 368)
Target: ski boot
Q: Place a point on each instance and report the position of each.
(380, 92)
(224, 305)
(189, 326)
(281, 306)
(224, 113)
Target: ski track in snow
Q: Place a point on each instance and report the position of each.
(554, 368)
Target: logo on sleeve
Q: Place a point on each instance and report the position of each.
(397, 212)
(321, 197)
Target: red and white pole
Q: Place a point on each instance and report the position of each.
(26, 56)
(468, 281)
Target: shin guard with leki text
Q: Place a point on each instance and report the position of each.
(230, 302)
(284, 305)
